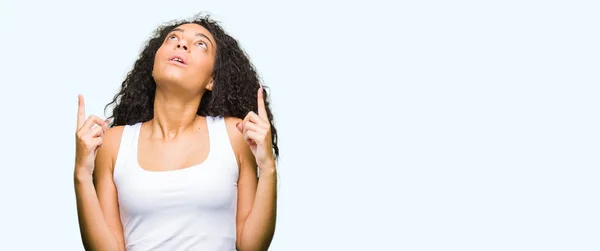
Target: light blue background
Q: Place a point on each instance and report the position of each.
(413, 125)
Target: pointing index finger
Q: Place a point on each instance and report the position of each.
(80, 111)
(262, 111)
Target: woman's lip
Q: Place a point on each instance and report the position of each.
(180, 57)
(177, 62)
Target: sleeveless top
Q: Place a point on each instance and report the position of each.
(186, 209)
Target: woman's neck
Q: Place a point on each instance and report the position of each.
(173, 114)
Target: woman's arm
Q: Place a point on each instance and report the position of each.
(97, 206)
(257, 200)
(256, 232)
(257, 197)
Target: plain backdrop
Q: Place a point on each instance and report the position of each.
(404, 125)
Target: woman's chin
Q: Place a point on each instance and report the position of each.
(168, 78)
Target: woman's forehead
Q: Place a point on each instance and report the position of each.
(192, 28)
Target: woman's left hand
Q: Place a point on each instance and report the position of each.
(257, 133)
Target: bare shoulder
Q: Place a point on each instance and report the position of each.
(235, 136)
(239, 145)
(232, 129)
(107, 153)
(112, 138)
(114, 133)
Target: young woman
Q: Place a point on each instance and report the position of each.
(179, 167)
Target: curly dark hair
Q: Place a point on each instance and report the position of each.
(235, 81)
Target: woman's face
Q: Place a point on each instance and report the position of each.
(186, 58)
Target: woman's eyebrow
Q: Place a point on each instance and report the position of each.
(197, 34)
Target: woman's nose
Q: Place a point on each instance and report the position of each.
(180, 46)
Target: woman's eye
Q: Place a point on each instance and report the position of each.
(202, 44)
(172, 37)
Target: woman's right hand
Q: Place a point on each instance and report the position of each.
(89, 136)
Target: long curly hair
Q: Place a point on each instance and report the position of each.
(235, 81)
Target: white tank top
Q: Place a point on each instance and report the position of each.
(186, 209)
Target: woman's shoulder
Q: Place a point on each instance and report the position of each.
(111, 142)
(232, 130)
(232, 120)
(239, 145)
(114, 133)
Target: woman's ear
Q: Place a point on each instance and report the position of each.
(210, 84)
